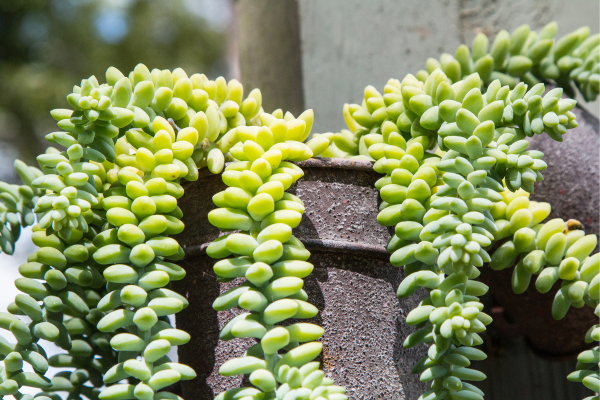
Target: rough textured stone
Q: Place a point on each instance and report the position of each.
(340, 199)
(365, 327)
(353, 285)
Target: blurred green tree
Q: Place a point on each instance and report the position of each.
(47, 46)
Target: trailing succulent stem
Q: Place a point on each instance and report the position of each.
(553, 251)
(99, 284)
(523, 56)
(528, 56)
(441, 202)
(271, 261)
(587, 362)
(16, 206)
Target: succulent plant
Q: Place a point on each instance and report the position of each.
(447, 150)
(451, 142)
(99, 283)
(270, 259)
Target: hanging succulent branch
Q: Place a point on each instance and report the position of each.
(440, 203)
(271, 260)
(553, 251)
(16, 206)
(99, 284)
(523, 56)
(529, 56)
(59, 282)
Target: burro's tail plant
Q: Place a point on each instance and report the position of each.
(106, 126)
(98, 286)
(525, 55)
(451, 143)
(16, 206)
(441, 202)
(271, 261)
(528, 56)
(553, 251)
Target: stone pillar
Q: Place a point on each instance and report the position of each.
(269, 52)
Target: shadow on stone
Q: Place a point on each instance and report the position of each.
(200, 320)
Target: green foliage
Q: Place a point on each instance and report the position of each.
(99, 284)
(17, 204)
(525, 56)
(528, 56)
(272, 261)
(587, 362)
(553, 251)
(441, 202)
(48, 45)
(451, 143)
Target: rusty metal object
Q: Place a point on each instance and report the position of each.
(353, 285)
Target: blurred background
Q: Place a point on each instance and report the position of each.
(302, 54)
(47, 46)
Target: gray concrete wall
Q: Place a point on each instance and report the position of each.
(349, 44)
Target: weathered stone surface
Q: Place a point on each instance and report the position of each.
(353, 285)
(340, 199)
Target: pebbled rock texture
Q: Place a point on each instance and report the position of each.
(353, 285)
